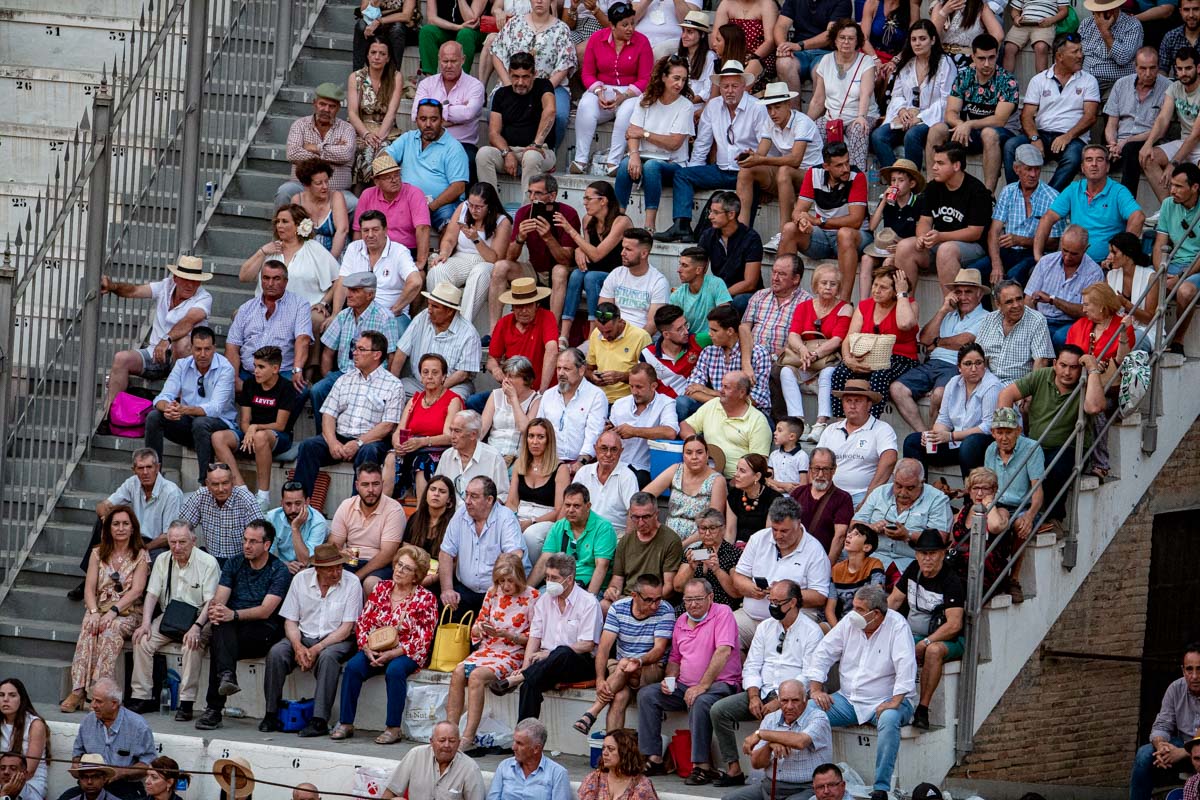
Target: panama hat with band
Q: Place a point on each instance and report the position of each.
(697, 20)
(883, 240)
(907, 167)
(225, 770)
(446, 294)
(383, 164)
(968, 277)
(190, 268)
(777, 93)
(327, 555)
(92, 762)
(524, 290)
(861, 388)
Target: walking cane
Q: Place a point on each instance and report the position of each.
(774, 775)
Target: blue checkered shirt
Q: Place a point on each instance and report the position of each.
(345, 330)
(798, 765)
(251, 329)
(712, 365)
(1010, 210)
(1048, 276)
(361, 402)
(223, 525)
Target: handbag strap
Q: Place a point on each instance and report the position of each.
(857, 66)
(170, 568)
(816, 517)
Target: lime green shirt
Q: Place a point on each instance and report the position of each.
(598, 540)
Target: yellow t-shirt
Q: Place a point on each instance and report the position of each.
(618, 355)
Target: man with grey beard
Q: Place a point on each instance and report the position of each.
(825, 510)
(577, 409)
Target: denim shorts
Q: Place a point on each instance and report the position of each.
(924, 378)
(151, 369)
(823, 243)
(283, 440)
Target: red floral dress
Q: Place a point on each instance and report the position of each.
(415, 619)
(511, 614)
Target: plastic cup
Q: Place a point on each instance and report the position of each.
(670, 683)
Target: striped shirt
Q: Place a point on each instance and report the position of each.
(798, 765)
(360, 402)
(223, 524)
(769, 319)
(252, 328)
(635, 637)
(346, 329)
(1010, 210)
(1010, 356)
(714, 363)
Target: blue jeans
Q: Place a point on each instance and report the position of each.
(580, 281)
(1068, 160)
(1018, 264)
(885, 138)
(689, 179)
(478, 401)
(440, 217)
(396, 673)
(314, 454)
(686, 406)
(1141, 780)
(1058, 332)
(656, 173)
(562, 113)
(320, 390)
(968, 455)
(841, 714)
(808, 59)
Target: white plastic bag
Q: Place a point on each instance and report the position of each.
(855, 785)
(493, 733)
(426, 705)
(371, 781)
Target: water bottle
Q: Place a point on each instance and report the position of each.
(233, 712)
(872, 175)
(164, 700)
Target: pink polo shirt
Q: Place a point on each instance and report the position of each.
(632, 67)
(408, 210)
(693, 647)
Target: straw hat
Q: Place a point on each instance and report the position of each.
(225, 769)
(447, 294)
(697, 20)
(777, 93)
(383, 164)
(92, 762)
(968, 277)
(1103, 5)
(907, 167)
(524, 290)
(859, 387)
(189, 268)
(883, 240)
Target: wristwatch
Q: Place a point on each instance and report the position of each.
(801, 44)
(1034, 138)
(504, 153)
(645, 134)
(358, 442)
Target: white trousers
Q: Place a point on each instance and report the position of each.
(789, 382)
(469, 272)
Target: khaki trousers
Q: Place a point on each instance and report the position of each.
(143, 665)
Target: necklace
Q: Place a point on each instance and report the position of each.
(750, 503)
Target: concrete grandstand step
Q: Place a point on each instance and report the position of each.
(49, 96)
(45, 38)
(41, 603)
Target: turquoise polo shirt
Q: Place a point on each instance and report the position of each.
(598, 540)
(696, 305)
(1104, 216)
(1026, 465)
(1173, 220)
(433, 168)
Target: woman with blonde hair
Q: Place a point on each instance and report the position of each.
(538, 482)
(501, 632)
(401, 604)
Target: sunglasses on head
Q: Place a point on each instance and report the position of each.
(429, 101)
(605, 316)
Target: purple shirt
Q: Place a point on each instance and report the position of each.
(404, 214)
(460, 106)
(693, 647)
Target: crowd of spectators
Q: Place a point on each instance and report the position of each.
(780, 543)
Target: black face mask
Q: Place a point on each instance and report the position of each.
(777, 612)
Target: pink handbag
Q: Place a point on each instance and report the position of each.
(128, 415)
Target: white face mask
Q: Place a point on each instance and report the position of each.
(553, 589)
(857, 620)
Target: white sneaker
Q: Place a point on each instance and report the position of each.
(1152, 219)
(264, 499)
(814, 433)
(773, 243)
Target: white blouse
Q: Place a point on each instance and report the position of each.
(930, 99)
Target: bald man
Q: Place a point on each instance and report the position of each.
(305, 791)
(438, 765)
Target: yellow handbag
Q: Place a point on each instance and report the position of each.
(451, 642)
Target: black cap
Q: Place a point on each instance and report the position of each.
(930, 539)
(926, 791)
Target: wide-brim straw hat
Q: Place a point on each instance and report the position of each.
(190, 268)
(859, 387)
(224, 769)
(524, 290)
(447, 294)
(92, 762)
(907, 167)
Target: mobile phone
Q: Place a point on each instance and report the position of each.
(891, 526)
(543, 210)
(742, 156)
(760, 582)
(702, 554)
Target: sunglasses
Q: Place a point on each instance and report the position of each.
(216, 465)
(117, 584)
(200, 386)
(605, 316)
(429, 101)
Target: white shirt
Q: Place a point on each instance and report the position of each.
(659, 411)
(800, 128)
(1058, 109)
(659, 24)
(858, 453)
(486, 461)
(577, 424)
(658, 118)
(634, 294)
(581, 620)
(166, 317)
(787, 467)
(843, 93)
(715, 124)
(765, 667)
(702, 87)
(873, 670)
(392, 269)
(929, 98)
(807, 565)
(320, 616)
(611, 498)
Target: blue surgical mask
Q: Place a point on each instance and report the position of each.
(699, 619)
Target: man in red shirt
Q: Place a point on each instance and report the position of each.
(551, 249)
(674, 355)
(529, 331)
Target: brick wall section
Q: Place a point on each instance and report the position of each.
(1071, 721)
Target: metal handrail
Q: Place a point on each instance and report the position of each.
(978, 595)
(176, 110)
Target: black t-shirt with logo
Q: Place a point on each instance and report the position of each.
(925, 597)
(903, 218)
(264, 404)
(969, 204)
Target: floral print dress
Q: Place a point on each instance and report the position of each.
(511, 614)
(371, 109)
(96, 653)
(414, 617)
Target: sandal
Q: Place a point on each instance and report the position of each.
(501, 687)
(584, 724)
(71, 703)
(341, 732)
(389, 736)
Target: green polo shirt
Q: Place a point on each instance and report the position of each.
(1044, 402)
(598, 540)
